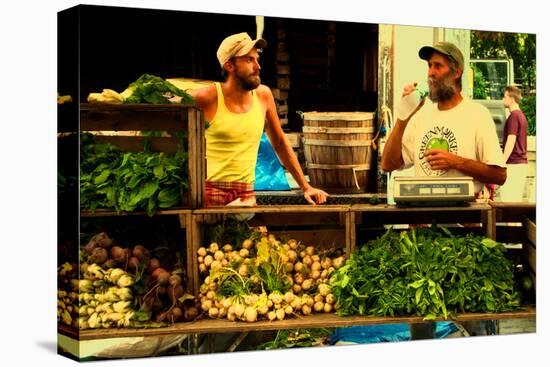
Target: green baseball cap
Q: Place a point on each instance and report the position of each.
(445, 48)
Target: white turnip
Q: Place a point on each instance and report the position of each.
(247, 244)
(219, 255)
(250, 314)
(213, 247)
(318, 306)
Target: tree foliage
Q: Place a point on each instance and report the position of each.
(521, 47)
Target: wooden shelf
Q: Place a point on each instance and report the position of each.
(407, 209)
(325, 320)
(514, 212)
(275, 209)
(110, 213)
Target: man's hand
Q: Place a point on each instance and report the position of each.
(409, 103)
(440, 159)
(315, 196)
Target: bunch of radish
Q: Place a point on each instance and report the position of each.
(265, 279)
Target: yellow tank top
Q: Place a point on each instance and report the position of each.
(232, 141)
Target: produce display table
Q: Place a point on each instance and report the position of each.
(337, 224)
(344, 216)
(324, 320)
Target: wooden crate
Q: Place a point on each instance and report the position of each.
(530, 248)
(477, 216)
(120, 125)
(323, 226)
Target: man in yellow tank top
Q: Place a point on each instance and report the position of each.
(237, 112)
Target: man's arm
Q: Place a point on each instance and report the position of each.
(392, 156)
(442, 160)
(206, 99)
(510, 142)
(284, 151)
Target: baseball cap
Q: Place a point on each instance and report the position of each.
(237, 45)
(445, 48)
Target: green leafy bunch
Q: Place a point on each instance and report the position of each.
(153, 89)
(112, 179)
(528, 105)
(425, 272)
(298, 338)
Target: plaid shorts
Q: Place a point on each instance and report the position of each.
(222, 193)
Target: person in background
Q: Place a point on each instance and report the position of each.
(238, 110)
(453, 136)
(515, 147)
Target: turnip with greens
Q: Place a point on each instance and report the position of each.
(219, 255)
(153, 265)
(140, 252)
(117, 253)
(102, 240)
(133, 263)
(250, 314)
(90, 246)
(213, 247)
(99, 255)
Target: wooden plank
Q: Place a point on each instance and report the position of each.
(122, 117)
(283, 83)
(283, 121)
(490, 224)
(280, 95)
(282, 109)
(411, 217)
(275, 209)
(530, 254)
(514, 212)
(290, 219)
(419, 209)
(319, 238)
(282, 56)
(193, 243)
(136, 143)
(531, 230)
(111, 213)
(325, 320)
(295, 139)
(283, 69)
(351, 234)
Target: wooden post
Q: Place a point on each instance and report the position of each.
(350, 233)
(490, 223)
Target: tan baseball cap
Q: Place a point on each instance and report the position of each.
(445, 48)
(237, 45)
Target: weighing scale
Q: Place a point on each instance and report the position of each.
(430, 191)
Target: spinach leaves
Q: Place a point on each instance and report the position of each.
(425, 272)
(128, 181)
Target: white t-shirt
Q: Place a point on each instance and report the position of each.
(466, 130)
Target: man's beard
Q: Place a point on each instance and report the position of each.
(442, 89)
(249, 83)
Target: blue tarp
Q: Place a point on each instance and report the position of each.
(385, 333)
(270, 174)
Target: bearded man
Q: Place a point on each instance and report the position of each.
(453, 136)
(237, 111)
